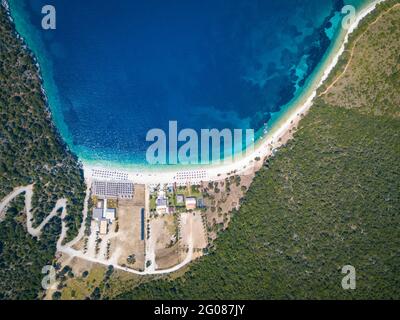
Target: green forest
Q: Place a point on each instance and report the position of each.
(30, 152)
(23, 257)
(329, 198)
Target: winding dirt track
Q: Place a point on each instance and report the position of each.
(61, 204)
(28, 190)
(67, 248)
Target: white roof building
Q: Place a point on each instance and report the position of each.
(161, 203)
(191, 203)
(110, 214)
(180, 199)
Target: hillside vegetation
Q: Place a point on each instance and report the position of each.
(30, 152)
(329, 198)
(23, 257)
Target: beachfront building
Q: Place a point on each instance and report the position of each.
(161, 203)
(97, 214)
(200, 203)
(191, 203)
(110, 214)
(113, 189)
(103, 215)
(180, 199)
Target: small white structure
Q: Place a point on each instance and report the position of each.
(162, 203)
(161, 206)
(180, 199)
(103, 215)
(191, 203)
(110, 214)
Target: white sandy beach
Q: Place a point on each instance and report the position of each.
(277, 136)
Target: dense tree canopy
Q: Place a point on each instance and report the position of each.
(329, 198)
(30, 152)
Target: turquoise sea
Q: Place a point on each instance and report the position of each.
(114, 70)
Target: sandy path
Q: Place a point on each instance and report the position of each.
(91, 245)
(67, 249)
(354, 46)
(151, 252)
(28, 190)
(103, 246)
(16, 192)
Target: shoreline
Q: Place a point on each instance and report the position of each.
(279, 134)
(6, 5)
(280, 131)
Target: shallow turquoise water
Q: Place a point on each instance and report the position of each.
(113, 72)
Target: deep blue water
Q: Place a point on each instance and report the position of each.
(114, 70)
